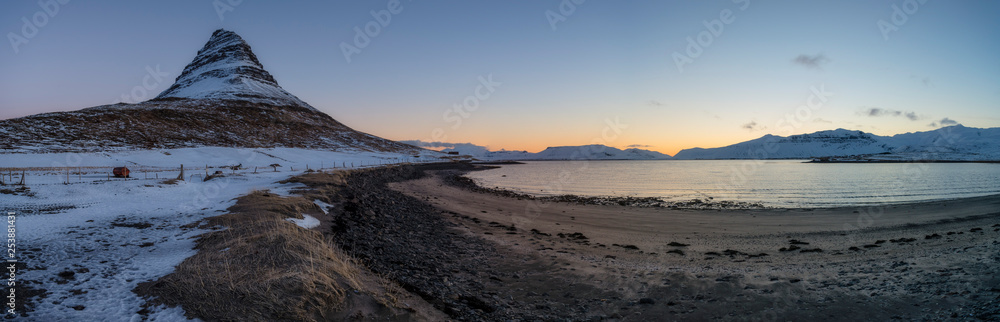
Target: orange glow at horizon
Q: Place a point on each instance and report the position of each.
(533, 145)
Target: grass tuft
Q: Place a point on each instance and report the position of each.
(262, 267)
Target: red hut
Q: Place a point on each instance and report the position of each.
(121, 172)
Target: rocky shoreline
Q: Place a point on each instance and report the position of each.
(709, 203)
(472, 254)
(409, 242)
(419, 247)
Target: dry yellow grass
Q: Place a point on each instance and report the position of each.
(261, 267)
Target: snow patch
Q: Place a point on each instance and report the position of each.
(309, 222)
(285, 190)
(325, 207)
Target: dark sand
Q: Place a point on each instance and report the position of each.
(923, 261)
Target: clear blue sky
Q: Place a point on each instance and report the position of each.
(606, 61)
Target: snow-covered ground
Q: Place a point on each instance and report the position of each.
(171, 159)
(90, 242)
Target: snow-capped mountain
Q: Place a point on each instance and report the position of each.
(226, 68)
(224, 97)
(838, 142)
(949, 143)
(584, 152)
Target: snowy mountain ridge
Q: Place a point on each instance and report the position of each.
(584, 152)
(953, 143)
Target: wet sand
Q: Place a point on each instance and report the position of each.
(934, 260)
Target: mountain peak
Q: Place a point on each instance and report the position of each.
(226, 68)
(223, 98)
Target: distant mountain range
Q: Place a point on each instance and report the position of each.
(584, 152)
(953, 143)
(224, 97)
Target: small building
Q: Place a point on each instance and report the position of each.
(121, 172)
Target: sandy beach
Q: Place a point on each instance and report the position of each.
(922, 261)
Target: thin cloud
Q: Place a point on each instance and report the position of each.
(819, 120)
(752, 126)
(636, 146)
(926, 81)
(878, 111)
(875, 111)
(655, 103)
(814, 61)
(944, 122)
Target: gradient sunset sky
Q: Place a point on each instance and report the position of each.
(562, 71)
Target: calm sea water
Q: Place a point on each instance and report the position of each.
(783, 183)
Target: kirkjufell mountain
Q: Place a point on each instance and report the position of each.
(224, 97)
(226, 68)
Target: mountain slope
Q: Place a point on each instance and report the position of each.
(949, 143)
(224, 97)
(838, 142)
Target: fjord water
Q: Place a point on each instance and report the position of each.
(773, 183)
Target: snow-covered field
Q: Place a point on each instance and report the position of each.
(90, 242)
